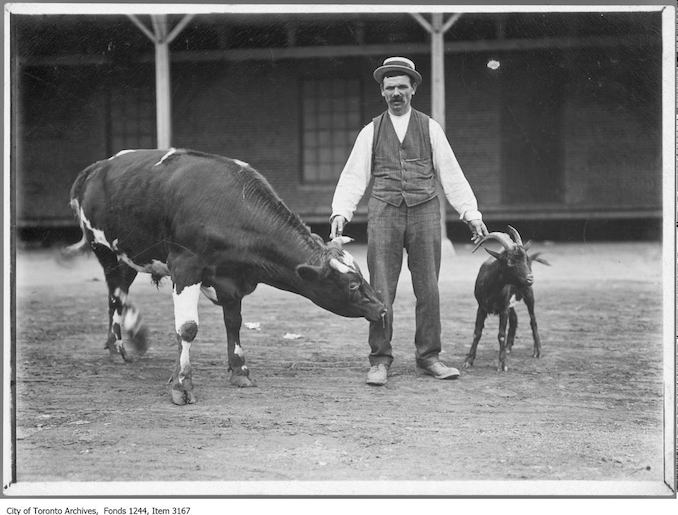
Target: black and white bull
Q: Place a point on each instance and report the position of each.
(211, 224)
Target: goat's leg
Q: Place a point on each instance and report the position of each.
(481, 315)
(529, 302)
(503, 319)
(512, 326)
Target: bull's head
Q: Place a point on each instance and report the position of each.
(338, 285)
(514, 259)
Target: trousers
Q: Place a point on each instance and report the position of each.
(415, 229)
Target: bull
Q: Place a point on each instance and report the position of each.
(213, 225)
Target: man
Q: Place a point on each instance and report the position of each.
(404, 150)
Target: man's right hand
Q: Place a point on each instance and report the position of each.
(337, 226)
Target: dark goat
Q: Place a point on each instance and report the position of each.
(506, 275)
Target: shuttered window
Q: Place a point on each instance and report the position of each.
(331, 121)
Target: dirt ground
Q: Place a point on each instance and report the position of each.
(589, 409)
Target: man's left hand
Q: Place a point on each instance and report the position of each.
(478, 230)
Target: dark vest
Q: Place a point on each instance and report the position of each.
(403, 171)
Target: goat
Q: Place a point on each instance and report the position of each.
(506, 275)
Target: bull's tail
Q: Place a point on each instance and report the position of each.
(68, 253)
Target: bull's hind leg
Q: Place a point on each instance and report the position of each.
(240, 374)
(123, 316)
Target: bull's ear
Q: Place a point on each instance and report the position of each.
(494, 254)
(309, 272)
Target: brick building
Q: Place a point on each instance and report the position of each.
(566, 128)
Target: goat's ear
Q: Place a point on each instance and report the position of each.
(494, 254)
(535, 257)
(527, 245)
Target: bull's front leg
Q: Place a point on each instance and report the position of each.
(240, 374)
(186, 326)
(503, 319)
(481, 315)
(529, 302)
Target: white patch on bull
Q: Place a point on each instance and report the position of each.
(184, 360)
(241, 163)
(120, 295)
(117, 318)
(348, 260)
(238, 351)
(512, 301)
(99, 236)
(171, 151)
(130, 318)
(121, 153)
(186, 305)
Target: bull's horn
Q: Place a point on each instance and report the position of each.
(340, 240)
(501, 237)
(339, 266)
(515, 235)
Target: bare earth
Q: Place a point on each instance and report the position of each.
(590, 408)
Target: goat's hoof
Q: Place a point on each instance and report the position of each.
(468, 364)
(502, 368)
(536, 354)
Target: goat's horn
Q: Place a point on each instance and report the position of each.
(497, 236)
(515, 235)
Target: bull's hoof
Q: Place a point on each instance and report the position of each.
(468, 364)
(503, 367)
(241, 381)
(117, 348)
(181, 397)
(140, 341)
(536, 354)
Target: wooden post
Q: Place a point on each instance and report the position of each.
(163, 104)
(436, 28)
(161, 38)
(438, 110)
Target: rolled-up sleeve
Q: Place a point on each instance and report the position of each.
(355, 176)
(455, 185)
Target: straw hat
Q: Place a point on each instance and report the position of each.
(399, 64)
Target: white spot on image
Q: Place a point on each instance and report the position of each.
(493, 64)
(255, 326)
(292, 336)
(238, 351)
(241, 163)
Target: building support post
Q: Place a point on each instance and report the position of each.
(437, 28)
(161, 38)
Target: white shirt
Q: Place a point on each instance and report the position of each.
(357, 172)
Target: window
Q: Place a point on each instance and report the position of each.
(132, 118)
(331, 122)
